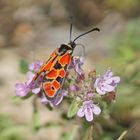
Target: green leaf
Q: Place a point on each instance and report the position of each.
(23, 65)
(15, 99)
(73, 109)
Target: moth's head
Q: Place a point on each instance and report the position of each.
(66, 48)
(72, 44)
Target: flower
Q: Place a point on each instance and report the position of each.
(76, 64)
(22, 89)
(35, 66)
(89, 95)
(73, 88)
(35, 86)
(106, 83)
(88, 109)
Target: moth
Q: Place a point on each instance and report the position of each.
(55, 68)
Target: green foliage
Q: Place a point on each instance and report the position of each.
(35, 116)
(121, 4)
(72, 134)
(73, 109)
(129, 37)
(9, 130)
(23, 65)
(126, 52)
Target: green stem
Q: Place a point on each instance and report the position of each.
(122, 135)
(35, 115)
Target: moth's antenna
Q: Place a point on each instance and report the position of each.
(94, 29)
(70, 31)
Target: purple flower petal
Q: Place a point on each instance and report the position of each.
(81, 60)
(89, 94)
(35, 66)
(106, 83)
(21, 89)
(114, 79)
(77, 63)
(96, 110)
(30, 76)
(88, 109)
(44, 100)
(80, 112)
(73, 88)
(108, 88)
(64, 92)
(78, 69)
(36, 90)
(96, 82)
(88, 114)
(108, 73)
(100, 91)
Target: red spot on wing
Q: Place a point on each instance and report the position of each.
(56, 85)
(65, 59)
(52, 74)
(47, 66)
(51, 88)
(48, 89)
(62, 73)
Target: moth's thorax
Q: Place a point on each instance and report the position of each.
(72, 45)
(65, 48)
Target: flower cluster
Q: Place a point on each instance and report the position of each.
(22, 89)
(76, 86)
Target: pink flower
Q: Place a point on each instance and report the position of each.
(89, 95)
(106, 83)
(88, 109)
(22, 89)
(76, 64)
(73, 88)
(35, 66)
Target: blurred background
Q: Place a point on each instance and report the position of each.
(32, 29)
